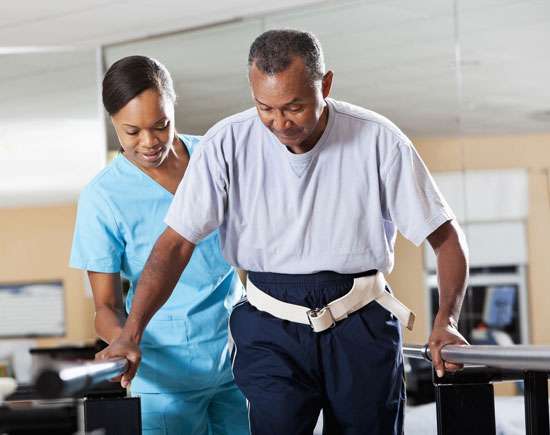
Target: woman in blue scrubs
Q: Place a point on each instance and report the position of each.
(184, 380)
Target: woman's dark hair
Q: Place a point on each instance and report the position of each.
(130, 76)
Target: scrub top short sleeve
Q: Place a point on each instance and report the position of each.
(97, 244)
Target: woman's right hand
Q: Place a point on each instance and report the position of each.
(123, 348)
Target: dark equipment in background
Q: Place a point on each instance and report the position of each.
(71, 394)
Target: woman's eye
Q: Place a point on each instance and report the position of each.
(132, 133)
(162, 126)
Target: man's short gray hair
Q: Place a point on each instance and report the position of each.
(273, 51)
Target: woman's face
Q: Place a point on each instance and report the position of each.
(145, 128)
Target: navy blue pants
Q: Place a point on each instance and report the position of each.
(353, 372)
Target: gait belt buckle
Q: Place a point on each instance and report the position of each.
(320, 319)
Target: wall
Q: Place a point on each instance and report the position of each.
(35, 245)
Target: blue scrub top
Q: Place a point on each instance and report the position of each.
(120, 216)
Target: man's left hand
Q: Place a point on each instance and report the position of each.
(443, 334)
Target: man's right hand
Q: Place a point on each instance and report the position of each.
(123, 348)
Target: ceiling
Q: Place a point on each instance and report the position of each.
(434, 67)
(395, 56)
(88, 23)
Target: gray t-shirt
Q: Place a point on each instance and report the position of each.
(336, 207)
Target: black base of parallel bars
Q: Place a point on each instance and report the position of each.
(536, 403)
(465, 401)
(465, 409)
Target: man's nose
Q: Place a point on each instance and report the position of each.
(280, 122)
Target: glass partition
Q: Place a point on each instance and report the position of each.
(52, 138)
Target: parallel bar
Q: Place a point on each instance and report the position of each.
(419, 351)
(455, 392)
(470, 375)
(67, 380)
(520, 357)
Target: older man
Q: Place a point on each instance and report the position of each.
(308, 193)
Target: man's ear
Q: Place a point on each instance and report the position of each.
(327, 83)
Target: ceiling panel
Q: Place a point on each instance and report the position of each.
(92, 23)
(24, 12)
(505, 55)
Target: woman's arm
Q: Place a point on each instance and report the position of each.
(109, 311)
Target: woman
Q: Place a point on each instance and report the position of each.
(184, 380)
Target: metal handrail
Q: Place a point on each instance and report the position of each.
(519, 357)
(65, 380)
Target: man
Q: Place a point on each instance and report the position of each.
(308, 193)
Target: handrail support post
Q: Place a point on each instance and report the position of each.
(455, 401)
(536, 403)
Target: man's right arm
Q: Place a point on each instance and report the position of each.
(160, 275)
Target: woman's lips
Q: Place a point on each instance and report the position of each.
(153, 155)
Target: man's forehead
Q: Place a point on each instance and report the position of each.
(295, 67)
(292, 79)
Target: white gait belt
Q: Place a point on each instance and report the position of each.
(365, 290)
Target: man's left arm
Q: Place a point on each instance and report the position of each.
(449, 245)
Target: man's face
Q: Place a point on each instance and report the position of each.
(289, 104)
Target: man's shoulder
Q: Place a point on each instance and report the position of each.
(241, 121)
(361, 117)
